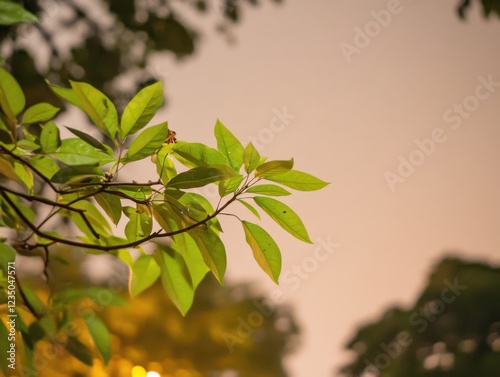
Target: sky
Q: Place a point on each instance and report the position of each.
(402, 121)
(393, 102)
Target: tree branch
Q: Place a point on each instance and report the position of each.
(105, 248)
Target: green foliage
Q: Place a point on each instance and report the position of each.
(46, 180)
(12, 13)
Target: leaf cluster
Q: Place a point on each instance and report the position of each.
(46, 180)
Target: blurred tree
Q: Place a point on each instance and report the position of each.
(489, 7)
(107, 43)
(453, 330)
(229, 331)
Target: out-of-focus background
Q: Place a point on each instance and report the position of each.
(394, 102)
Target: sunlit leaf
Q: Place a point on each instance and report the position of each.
(271, 168)
(147, 142)
(298, 180)
(284, 216)
(140, 224)
(175, 278)
(209, 209)
(197, 154)
(111, 204)
(41, 112)
(90, 140)
(249, 207)
(98, 107)
(229, 146)
(24, 174)
(12, 98)
(251, 158)
(141, 109)
(45, 165)
(184, 244)
(201, 176)
(230, 185)
(77, 173)
(145, 271)
(265, 251)
(212, 249)
(101, 337)
(164, 165)
(75, 152)
(49, 138)
(67, 94)
(269, 190)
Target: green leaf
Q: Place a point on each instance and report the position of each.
(98, 107)
(198, 177)
(185, 245)
(141, 109)
(147, 142)
(45, 165)
(209, 209)
(271, 168)
(164, 217)
(251, 158)
(212, 249)
(164, 165)
(73, 174)
(67, 94)
(250, 208)
(12, 98)
(94, 216)
(24, 174)
(175, 278)
(12, 13)
(230, 185)
(284, 216)
(229, 146)
(134, 192)
(39, 113)
(76, 152)
(7, 255)
(197, 154)
(145, 271)
(140, 224)
(49, 138)
(101, 337)
(90, 140)
(111, 204)
(265, 251)
(68, 296)
(80, 351)
(269, 190)
(34, 301)
(298, 180)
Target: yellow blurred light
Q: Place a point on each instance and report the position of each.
(139, 371)
(152, 374)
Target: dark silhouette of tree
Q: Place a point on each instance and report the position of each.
(452, 330)
(104, 41)
(490, 7)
